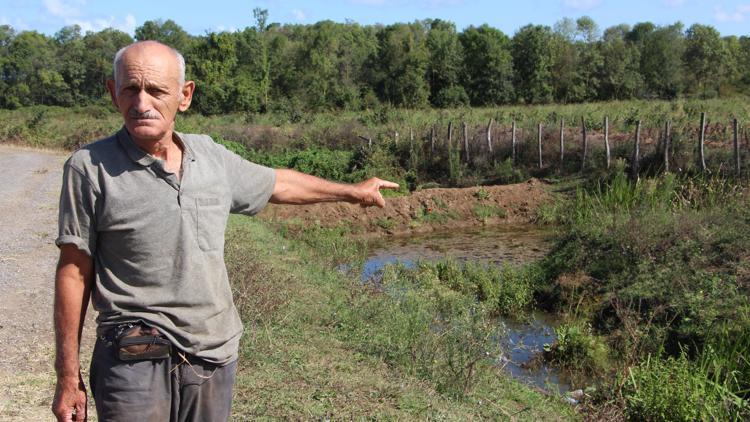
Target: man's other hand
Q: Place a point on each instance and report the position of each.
(70, 400)
(368, 192)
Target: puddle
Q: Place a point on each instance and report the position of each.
(496, 245)
(522, 342)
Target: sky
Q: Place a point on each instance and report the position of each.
(730, 17)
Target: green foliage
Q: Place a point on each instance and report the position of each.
(444, 65)
(577, 347)
(481, 194)
(488, 66)
(532, 60)
(705, 56)
(502, 291)
(167, 32)
(402, 63)
(345, 66)
(385, 223)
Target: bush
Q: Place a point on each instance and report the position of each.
(578, 348)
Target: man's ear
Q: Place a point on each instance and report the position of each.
(186, 95)
(112, 88)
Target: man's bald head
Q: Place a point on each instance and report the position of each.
(156, 47)
(149, 90)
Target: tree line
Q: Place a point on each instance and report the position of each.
(347, 66)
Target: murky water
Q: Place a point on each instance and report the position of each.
(522, 340)
(496, 245)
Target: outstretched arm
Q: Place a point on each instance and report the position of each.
(73, 281)
(293, 187)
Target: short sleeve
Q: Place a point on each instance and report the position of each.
(251, 184)
(77, 217)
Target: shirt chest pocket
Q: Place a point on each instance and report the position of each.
(211, 221)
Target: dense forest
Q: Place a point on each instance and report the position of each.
(347, 66)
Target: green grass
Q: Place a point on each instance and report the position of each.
(485, 211)
(319, 344)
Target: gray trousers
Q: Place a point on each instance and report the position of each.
(159, 390)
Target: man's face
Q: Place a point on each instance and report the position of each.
(148, 91)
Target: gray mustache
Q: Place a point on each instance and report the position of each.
(148, 115)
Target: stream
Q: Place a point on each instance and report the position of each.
(494, 245)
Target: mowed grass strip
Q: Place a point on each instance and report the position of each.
(296, 362)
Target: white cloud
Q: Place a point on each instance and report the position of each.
(582, 4)
(738, 15)
(97, 24)
(222, 28)
(129, 25)
(425, 3)
(298, 15)
(60, 9)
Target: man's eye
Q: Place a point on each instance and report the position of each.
(156, 92)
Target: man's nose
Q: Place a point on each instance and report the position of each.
(141, 101)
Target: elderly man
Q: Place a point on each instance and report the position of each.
(142, 220)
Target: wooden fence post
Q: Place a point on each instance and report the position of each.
(450, 138)
(513, 140)
(735, 130)
(411, 141)
(432, 140)
(466, 141)
(667, 143)
(606, 139)
(489, 135)
(635, 163)
(539, 143)
(702, 140)
(368, 139)
(562, 141)
(585, 143)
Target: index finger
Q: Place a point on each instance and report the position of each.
(384, 184)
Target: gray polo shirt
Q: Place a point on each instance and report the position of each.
(158, 241)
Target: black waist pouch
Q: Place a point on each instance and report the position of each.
(141, 342)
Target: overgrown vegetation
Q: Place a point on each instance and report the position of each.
(659, 267)
(320, 344)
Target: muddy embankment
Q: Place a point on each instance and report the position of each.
(426, 210)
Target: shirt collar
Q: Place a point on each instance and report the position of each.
(142, 157)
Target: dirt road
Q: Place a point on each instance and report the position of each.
(29, 190)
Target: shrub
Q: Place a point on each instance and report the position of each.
(577, 347)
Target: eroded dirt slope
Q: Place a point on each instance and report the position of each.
(426, 210)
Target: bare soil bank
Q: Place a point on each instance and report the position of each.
(426, 210)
